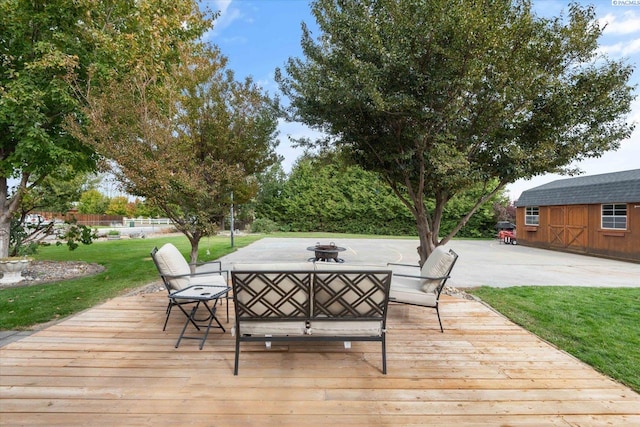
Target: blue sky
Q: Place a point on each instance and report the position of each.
(260, 35)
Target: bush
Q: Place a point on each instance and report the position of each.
(263, 225)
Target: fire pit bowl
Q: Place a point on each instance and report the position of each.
(326, 252)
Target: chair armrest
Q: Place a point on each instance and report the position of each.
(404, 265)
(204, 273)
(421, 277)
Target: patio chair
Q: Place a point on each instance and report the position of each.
(424, 289)
(176, 275)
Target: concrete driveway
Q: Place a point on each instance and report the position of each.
(481, 262)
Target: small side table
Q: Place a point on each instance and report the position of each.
(204, 294)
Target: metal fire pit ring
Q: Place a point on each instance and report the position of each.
(326, 252)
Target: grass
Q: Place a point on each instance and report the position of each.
(127, 263)
(597, 325)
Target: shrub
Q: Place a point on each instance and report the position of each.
(263, 225)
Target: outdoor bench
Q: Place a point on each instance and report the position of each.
(309, 302)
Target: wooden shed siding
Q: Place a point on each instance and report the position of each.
(577, 228)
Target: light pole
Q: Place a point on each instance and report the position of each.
(231, 225)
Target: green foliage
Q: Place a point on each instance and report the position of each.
(483, 221)
(597, 325)
(20, 243)
(93, 202)
(263, 225)
(57, 191)
(74, 233)
(118, 206)
(185, 139)
(26, 240)
(145, 209)
(440, 96)
(270, 185)
(53, 54)
(41, 46)
(324, 193)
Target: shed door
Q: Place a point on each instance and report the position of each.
(576, 232)
(568, 227)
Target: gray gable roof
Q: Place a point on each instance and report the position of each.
(616, 187)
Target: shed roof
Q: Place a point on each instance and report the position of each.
(616, 187)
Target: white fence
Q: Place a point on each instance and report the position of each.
(137, 222)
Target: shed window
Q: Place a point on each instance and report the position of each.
(532, 216)
(614, 216)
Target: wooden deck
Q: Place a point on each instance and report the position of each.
(113, 365)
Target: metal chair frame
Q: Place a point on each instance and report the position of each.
(439, 288)
(173, 302)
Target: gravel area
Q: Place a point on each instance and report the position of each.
(40, 272)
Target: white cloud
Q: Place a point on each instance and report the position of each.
(629, 23)
(625, 48)
(227, 15)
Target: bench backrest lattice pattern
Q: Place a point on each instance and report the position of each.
(310, 305)
(264, 295)
(357, 295)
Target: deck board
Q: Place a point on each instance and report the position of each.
(113, 365)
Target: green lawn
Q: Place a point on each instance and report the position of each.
(600, 326)
(128, 265)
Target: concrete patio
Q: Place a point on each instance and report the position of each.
(481, 262)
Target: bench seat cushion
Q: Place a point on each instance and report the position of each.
(333, 266)
(293, 328)
(273, 266)
(342, 328)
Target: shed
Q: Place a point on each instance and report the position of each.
(596, 215)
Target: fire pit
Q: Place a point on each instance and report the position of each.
(326, 252)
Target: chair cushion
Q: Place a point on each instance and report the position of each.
(172, 263)
(437, 265)
(412, 296)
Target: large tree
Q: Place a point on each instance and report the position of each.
(188, 142)
(51, 53)
(37, 51)
(439, 95)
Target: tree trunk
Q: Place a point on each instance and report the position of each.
(5, 218)
(426, 239)
(5, 233)
(195, 242)
(425, 232)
